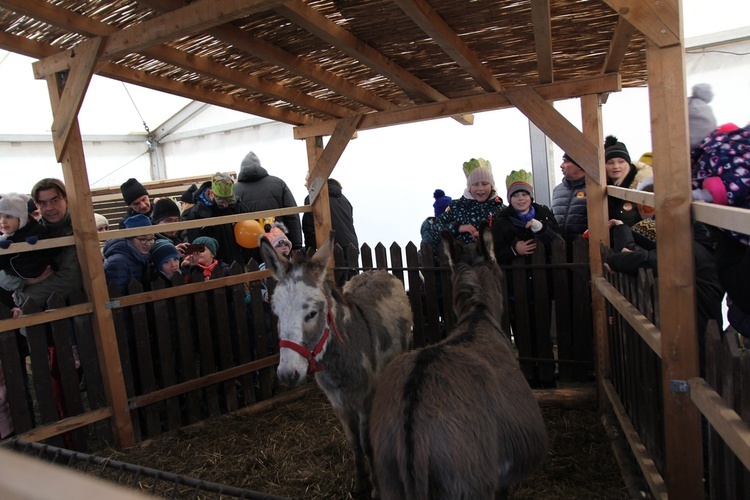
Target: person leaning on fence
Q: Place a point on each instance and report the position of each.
(215, 198)
(136, 198)
(17, 226)
(517, 226)
(52, 199)
(205, 261)
(635, 248)
(127, 259)
(569, 200)
(622, 172)
(479, 203)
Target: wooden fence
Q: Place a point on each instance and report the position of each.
(635, 386)
(192, 351)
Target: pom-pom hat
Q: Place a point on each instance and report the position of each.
(519, 180)
(162, 250)
(442, 201)
(210, 243)
(15, 205)
(131, 190)
(613, 148)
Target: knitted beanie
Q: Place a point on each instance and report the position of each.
(647, 158)
(210, 243)
(441, 201)
(101, 221)
(138, 220)
(162, 250)
(31, 206)
(15, 205)
(187, 196)
(567, 157)
(701, 120)
(644, 234)
(131, 190)
(519, 180)
(164, 208)
(615, 149)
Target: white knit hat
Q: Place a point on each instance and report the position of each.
(16, 205)
(480, 174)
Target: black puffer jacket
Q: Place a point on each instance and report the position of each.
(507, 230)
(342, 219)
(256, 191)
(569, 207)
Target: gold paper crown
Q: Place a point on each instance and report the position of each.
(476, 163)
(519, 176)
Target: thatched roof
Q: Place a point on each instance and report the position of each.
(305, 62)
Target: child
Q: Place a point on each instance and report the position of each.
(206, 260)
(17, 226)
(166, 260)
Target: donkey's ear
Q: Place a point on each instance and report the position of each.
(485, 243)
(323, 256)
(277, 264)
(449, 247)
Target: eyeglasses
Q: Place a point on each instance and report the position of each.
(146, 241)
(54, 202)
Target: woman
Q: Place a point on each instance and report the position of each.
(622, 172)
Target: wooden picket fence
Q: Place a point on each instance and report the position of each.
(193, 350)
(635, 377)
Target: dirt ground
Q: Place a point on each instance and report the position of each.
(297, 449)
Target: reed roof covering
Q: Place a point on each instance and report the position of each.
(303, 62)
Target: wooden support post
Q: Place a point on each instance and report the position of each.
(598, 215)
(321, 208)
(70, 151)
(669, 136)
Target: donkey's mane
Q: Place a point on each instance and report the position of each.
(476, 289)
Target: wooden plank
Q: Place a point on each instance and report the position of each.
(730, 394)
(558, 128)
(733, 430)
(430, 299)
(521, 326)
(55, 429)
(43, 317)
(243, 353)
(474, 104)
(648, 332)
(381, 256)
(165, 332)
(127, 366)
(415, 296)
(16, 381)
(618, 46)
(397, 263)
(672, 190)
(539, 285)
(540, 19)
(206, 349)
(187, 350)
(223, 341)
(563, 327)
(581, 289)
(734, 218)
(326, 162)
(659, 21)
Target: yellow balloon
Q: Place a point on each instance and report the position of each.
(246, 233)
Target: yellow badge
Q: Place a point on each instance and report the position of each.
(581, 194)
(627, 206)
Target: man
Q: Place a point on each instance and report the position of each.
(64, 278)
(136, 198)
(569, 200)
(215, 198)
(257, 191)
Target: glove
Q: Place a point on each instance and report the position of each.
(31, 240)
(702, 195)
(5, 244)
(536, 226)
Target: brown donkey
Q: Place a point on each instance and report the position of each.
(457, 420)
(342, 339)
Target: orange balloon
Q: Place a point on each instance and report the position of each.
(246, 233)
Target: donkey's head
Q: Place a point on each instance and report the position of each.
(301, 302)
(478, 281)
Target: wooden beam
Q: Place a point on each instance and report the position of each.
(733, 218)
(92, 271)
(319, 25)
(557, 128)
(658, 20)
(327, 161)
(618, 46)
(672, 193)
(540, 19)
(431, 23)
(78, 79)
(472, 104)
(321, 206)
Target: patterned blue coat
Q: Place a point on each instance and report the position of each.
(466, 211)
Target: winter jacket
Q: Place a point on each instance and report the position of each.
(229, 250)
(507, 229)
(64, 281)
(124, 263)
(27, 265)
(569, 207)
(465, 211)
(342, 219)
(624, 210)
(257, 191)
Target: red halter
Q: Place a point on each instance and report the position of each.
(314, 365)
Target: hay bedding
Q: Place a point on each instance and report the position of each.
(298, 449)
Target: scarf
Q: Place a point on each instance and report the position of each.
(208, 270)
(523, 219)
